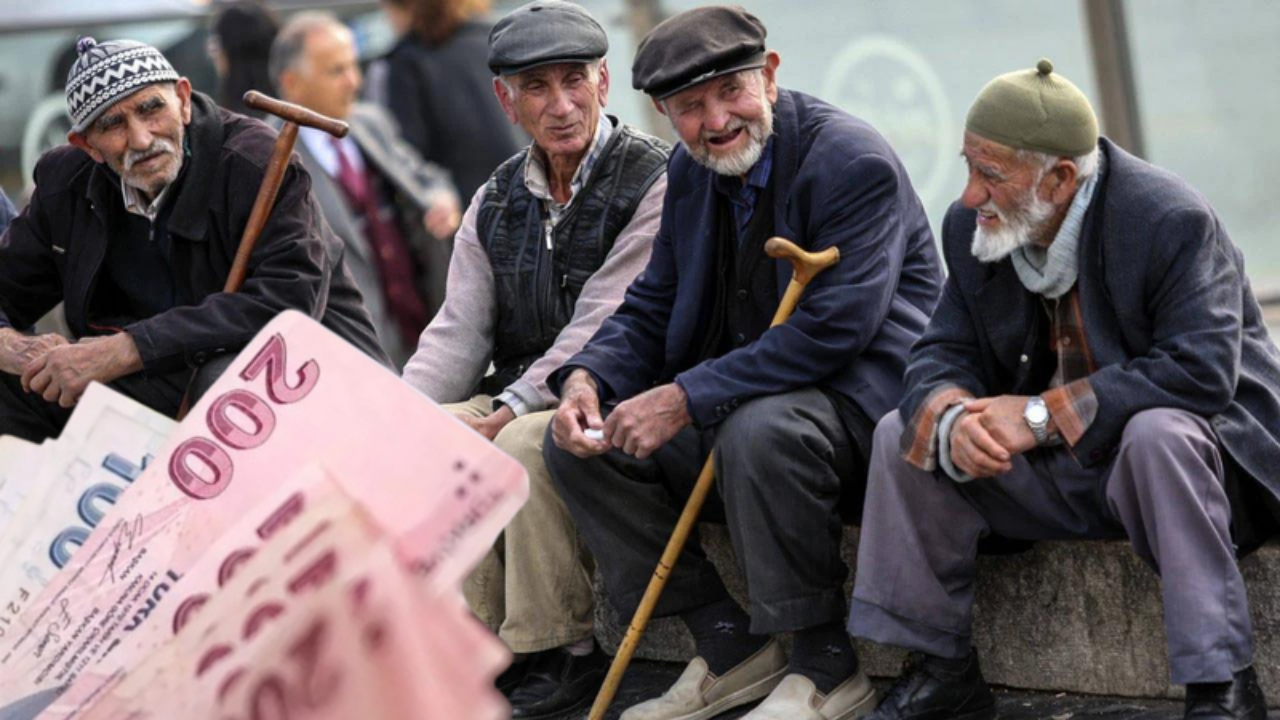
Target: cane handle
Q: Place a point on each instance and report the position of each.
(295, 114)
(804, 265)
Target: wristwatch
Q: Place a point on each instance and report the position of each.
(1036, 413)
(1037, 419)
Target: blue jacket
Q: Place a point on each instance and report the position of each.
(1169, 318)
(837, 183)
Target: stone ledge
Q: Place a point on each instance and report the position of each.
(1065, 616)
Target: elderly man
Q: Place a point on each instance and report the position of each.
(1097, 368)
(691, 365)
(544, 255)
(394, 211)
(134, 226)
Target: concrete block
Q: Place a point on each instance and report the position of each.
(1065, 616)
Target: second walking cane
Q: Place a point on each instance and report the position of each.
(805, 267)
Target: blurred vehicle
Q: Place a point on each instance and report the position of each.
(37, 48)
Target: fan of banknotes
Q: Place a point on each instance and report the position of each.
(293, 549)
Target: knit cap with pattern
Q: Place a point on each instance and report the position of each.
(108, 72)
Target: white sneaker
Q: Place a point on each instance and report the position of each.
(796, 698)
(699, 695)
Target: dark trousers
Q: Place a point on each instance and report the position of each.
(1163, 491)
(781, 463)
(28, 416)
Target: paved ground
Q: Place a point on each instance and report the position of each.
(646, 679)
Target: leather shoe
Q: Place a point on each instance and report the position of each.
(511, 677)
(796, 698)
(933, 688)
(1240, 698)
(699, 695)
(558, 682)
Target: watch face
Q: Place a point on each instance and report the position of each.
(1037, 414)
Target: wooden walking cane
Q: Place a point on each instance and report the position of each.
(805, 267)
(293, 116)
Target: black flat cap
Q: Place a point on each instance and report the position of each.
(695, 46)
(545, 32)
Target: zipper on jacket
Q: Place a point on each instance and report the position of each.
(548, 273)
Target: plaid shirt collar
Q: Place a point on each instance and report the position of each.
(535, 170)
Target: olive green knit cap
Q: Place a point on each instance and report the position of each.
(1035, 110)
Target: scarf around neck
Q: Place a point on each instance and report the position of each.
(1052, 271)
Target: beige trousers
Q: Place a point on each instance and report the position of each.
(533, 588)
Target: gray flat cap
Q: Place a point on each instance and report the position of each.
(696, 46)
(545, 32)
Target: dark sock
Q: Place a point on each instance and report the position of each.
(950, 665)
(721, 633)
(825, 655)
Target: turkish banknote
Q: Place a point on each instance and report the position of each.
(296, 394)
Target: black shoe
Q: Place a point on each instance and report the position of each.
(933, 688)
(1241, 698)
(558, 683)
(512, 676)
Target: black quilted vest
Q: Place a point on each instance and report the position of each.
(537, 287)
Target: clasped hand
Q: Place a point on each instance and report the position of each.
(60, 371)
(989, 434)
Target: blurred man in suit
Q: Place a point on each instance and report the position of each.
(395, 211)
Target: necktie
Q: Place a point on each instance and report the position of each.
(391, 252)
(353, 182)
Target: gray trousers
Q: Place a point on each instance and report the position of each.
(1163, 490)
(779, 464)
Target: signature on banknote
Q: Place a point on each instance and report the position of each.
(120, 539)
(53, 635)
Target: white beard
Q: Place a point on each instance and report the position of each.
(741, 161)
(1018, 228)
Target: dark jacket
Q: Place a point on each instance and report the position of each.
(1169, 317)
(54, 250)
(442, 98)
(837, 183)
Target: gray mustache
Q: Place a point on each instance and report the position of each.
(157, 147)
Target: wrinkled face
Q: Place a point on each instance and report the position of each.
(140, 137)
(1006, 192)
(326, 78)
(558, 105)
(725, 122)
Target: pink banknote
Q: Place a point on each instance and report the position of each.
(323, 620)
(296, 394)
(290, 512)
(368, 650)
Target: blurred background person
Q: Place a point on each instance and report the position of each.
(240, 40)
(443, 92)
(7, 211)
(389, 206)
